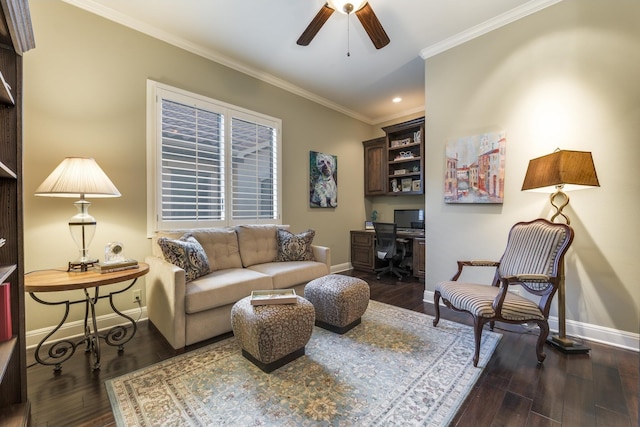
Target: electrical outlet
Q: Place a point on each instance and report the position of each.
(136, 296)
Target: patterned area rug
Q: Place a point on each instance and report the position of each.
(395, 368)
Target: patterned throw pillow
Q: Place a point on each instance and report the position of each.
(186, 253)
(295, 247)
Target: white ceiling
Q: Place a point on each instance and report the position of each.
(259, 37)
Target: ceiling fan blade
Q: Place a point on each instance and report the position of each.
(372, 26)
(316, 23)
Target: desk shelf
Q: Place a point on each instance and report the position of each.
(396, 156)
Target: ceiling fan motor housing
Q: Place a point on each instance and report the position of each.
(347, 6)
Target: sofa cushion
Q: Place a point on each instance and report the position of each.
(186, 253)
(258, 243)
(291, 273)
(223, 287)
(221, 246)
(295, 247)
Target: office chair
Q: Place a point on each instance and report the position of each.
(387, 249)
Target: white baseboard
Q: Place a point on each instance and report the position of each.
(76, 328)
(341, 267)
(601, 334)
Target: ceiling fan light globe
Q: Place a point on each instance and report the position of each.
(346, 6)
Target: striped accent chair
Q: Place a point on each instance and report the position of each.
(532, 259)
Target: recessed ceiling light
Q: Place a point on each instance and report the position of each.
(396, 99)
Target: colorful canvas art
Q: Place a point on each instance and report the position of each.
(474, 169)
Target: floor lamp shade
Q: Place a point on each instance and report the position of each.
(79, 177)
(573, 170)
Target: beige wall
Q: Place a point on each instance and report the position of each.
(85, 93)
(565, 77)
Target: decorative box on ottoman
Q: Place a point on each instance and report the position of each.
(272, 335)
(339, 301)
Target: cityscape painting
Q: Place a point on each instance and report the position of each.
(474, 169)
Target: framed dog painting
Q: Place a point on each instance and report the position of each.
(323, 180)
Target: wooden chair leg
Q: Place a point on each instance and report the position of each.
(478, 324)
(436, 306)
(544, 333)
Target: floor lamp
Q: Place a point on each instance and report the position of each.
(79, 177)
(560, 171)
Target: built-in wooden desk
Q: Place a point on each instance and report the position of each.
(363, 250)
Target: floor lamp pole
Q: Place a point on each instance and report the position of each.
(560, 341)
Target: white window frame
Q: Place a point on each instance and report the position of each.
(155, 93)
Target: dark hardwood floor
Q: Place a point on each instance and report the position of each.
(599, 389)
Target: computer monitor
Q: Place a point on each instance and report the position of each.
(408, 219)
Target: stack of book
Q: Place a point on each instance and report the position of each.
(111, 266)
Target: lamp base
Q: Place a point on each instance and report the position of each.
(81, 265)
(567, 346)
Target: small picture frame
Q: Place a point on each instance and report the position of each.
(368, 225)
(415, 185)
(406, 184)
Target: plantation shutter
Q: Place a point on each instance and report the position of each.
(253, 165)
(192, 164)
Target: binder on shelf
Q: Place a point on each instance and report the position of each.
(5, 312)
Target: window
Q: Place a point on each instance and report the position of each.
(210, 164)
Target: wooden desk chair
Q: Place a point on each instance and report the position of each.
(532, 259)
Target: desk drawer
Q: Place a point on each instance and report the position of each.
(362, 238)
(363, 250)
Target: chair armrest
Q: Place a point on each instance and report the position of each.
(322, 254)
(519, 279)
(473, 263)
(528, 278)
(165, 294)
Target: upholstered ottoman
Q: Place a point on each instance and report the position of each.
(272, 335)
(339, 301)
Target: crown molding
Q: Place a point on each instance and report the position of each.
(487, 26)
(419, 109)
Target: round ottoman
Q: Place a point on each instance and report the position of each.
(339, 301)
(272, 335)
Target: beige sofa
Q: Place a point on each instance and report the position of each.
(241, 259)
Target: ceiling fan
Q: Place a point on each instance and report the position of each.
(363, 11)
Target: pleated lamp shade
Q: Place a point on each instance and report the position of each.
(77, 177)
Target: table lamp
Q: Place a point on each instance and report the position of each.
(79, 177)
(560, 171)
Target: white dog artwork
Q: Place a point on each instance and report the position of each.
(323, 180)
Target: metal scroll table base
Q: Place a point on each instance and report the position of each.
(60, 351)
